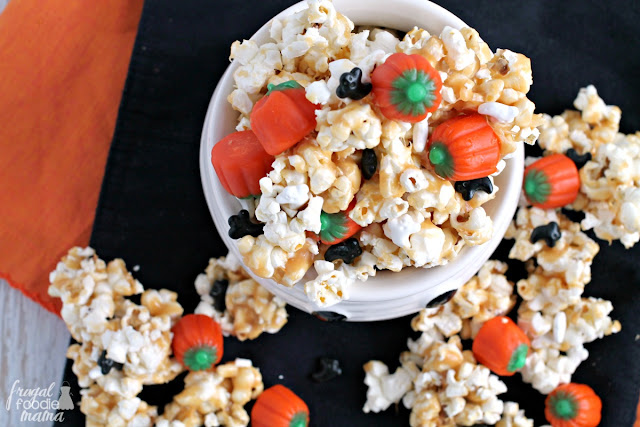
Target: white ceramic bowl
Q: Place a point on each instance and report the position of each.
(387, 295)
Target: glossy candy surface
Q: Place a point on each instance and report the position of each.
(278, 406)
(406, 87)
(573, 405)
(469, 188)
(351, 85)
(240, 162)
(551, 182)
(550, 233)
(338, 226)
(347, 250)
(197, 342)
(501, 346)
(463, 148)
(241, 225)
(283, 117)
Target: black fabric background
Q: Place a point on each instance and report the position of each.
(152, 211)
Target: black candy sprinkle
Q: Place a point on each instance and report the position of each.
(368, 163)
(441, 299)
(106, 364)
(329, 369)
(351, 85)
(550, 233)
(579, 159)
(469, 188)
(329, 316)
(218, 293)
(241, 225)
(347, 250)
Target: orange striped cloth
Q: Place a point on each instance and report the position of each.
(63, 65)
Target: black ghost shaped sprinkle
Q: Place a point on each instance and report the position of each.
(579, 159)
(347, 250)
(469, 188)
(241, 225)
(351, 85)
(329, 369)
(550, 233)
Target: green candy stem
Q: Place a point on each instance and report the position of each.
(200, 358)
(413, 92)
(332, 226)
(536, 186)
(564, 406)
(299, 420)
(441, 159)
(291, 84)
(518, 358)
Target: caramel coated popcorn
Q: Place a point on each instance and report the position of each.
(249, 309)
(513, 416)
(609, 194)
(411, 217)
(215, 398)
(104, 409)
(569, 259)
(484, 296)
(122, 346)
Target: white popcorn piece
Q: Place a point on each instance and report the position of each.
(318, 92)
(385, 389)
(399, 229)
(457, 52)
(330, 287)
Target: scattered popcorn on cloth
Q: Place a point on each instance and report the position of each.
(426, 223)
(609, 193)
(249, 309)
(214, 398)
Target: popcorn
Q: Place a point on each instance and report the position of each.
(106, 324)
(572, 255)
(101, 408)
(355, 126)
(385, 389)
(215, 397)
(250, 309)
(545, 369)
(577, 324)
(513, 416)
(410, 216)
(330, 287)
(484, 296)
(609, 181)
(459, 56)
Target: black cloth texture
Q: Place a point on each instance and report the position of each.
(152, 211)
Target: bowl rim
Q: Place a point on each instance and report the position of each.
(374, 290)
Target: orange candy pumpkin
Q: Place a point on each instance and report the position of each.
(197, 342)
(278, 406)
(283, 117)
(406, 87)
(463, 148)
(501, 346)
(551, 182)
(240, 162)
(573, 405)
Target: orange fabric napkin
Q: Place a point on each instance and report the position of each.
(63, 65)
